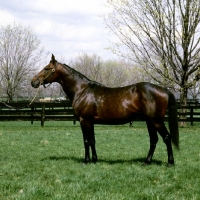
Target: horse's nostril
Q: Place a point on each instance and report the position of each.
(35, 84)
(32, 83)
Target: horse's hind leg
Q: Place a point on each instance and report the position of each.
(167, 140)
(153, 140)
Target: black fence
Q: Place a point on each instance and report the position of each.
(63, 111)
(37, 112)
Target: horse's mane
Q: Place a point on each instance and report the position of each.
(75, 72)
(81, 75)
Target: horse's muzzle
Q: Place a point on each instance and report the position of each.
(35, 83)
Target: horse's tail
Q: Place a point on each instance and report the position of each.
(173, 119)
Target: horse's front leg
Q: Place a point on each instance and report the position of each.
(88, 139)
(92, 145)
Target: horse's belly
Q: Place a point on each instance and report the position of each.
(111, 121)
(115, 118)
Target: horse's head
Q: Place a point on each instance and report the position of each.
(46, 75)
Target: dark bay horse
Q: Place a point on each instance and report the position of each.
(93, 103)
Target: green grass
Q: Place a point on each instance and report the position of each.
(46, 163)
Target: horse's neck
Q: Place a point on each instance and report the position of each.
(72, 83)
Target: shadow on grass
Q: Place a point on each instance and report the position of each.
(117, 161)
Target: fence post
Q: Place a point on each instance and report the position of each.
(32, 109)
(43, 115)
(191, 116)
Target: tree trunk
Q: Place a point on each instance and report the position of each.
(183, 102)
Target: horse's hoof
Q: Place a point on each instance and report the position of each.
(85, 162)
(94, 160)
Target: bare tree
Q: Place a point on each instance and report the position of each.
(114, 73)
(120, 73)
(88, 65)
(20, 52)
(162, 36)
(110, 73)
(194, 91)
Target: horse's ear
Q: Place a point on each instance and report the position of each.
(53, 60)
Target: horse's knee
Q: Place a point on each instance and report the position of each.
(89, 142)
(92, 142)
(86, 143)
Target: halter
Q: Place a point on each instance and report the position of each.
(48, 74)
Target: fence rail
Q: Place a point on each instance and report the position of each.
(62, 111)
(38, 112)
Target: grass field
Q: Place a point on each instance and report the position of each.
(46, 163)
